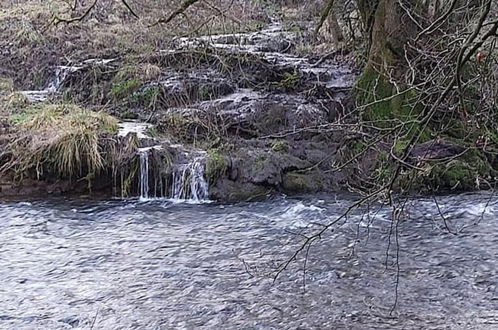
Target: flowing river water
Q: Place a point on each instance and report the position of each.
(126, 264)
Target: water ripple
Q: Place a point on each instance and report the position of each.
(130, 265)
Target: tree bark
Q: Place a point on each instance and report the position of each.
(390, 28)
(390, 31)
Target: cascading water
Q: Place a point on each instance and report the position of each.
(187, 182)
(144, 173)
(61, 73)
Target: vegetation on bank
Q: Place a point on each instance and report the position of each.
(35, 36)
(420, 122)
(58, 141)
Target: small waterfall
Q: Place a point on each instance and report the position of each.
(61, 73)
(186, 181)
(147, 173)
(144, 173)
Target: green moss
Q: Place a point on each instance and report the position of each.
(123, 89)
(216, 166)
(376, 91)
(289, 80)
(371, 86)
(280, 146)
(400, 145)
(146, 97)
(358, 146)
(453, 175)
(462, 173)
(300, 182)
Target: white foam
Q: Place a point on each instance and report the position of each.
(138, 128)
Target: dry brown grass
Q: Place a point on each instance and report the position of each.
(30, 45)
(61, 140)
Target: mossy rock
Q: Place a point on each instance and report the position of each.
(231, 191)
(295, 182)
(248, 192)
(216, 166)
(453, 175)
(462, 174)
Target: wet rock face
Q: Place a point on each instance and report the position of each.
(272, 39)
(269, 115)
(249, 112)
(257, 170)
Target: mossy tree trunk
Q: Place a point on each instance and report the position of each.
(388, 28)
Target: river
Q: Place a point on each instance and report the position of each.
(126, 264)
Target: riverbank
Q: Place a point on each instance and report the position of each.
(233, 116)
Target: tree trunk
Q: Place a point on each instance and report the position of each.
(334, 30)
(389, 30)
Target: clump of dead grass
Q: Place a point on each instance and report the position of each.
(62, 141)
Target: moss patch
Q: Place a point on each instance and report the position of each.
(122, 89)
(376, 91)
(280, 146)
(146, 97)
(295, 182)
(454, 175)
(289, 80)
(216, 166)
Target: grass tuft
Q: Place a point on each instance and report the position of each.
(62, 140)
